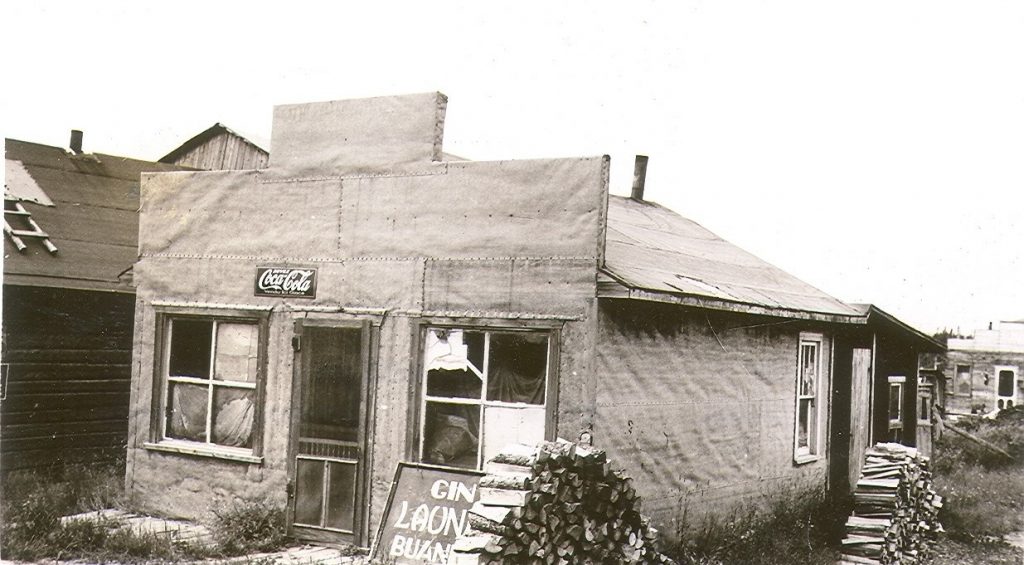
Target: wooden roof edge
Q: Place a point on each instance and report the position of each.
(70, 283)
(612, 287)
(874, 313)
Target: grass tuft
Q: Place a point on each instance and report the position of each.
(796, 526)
(984, 491)
(33, 504)
(249, 527)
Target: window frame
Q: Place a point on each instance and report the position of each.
(901, 382)
(158, 440)
(1014, 370)
(924, 405)
(812, 451)
(970, 380)
(418, 397)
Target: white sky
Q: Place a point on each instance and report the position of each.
(873, 149)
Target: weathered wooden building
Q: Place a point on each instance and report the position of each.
(983, 373)
(878, 394)
(364, 300)
(218, 148)
(70, 239)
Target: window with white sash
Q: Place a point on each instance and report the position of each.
(810, 369)
(209, 379)
(481, 390)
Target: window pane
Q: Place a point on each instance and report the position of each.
(186, 411)
(895, 390)
(963, 379)
(504, 425)
(237, 346)
(233, 411)
(1005, 383)
(475, 349)
(190, 348)
(445, 349)
(804, 422)
(454, 384)
(451, 433)
(341, 496)
(808, 368)
(518, 367)
(309, 491)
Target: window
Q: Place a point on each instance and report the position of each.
(209, 375)
(481, 390)
(896, 401)
(1006, 386)
(809, 372)
(924, 410)
(963, 380)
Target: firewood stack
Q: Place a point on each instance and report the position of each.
(895, 509)
(556, 503)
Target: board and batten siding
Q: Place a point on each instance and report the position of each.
(222, 152)
(67, 357)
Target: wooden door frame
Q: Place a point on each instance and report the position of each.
(300, 362)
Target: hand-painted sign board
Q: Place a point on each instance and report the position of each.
(427, 508)
(285, 281)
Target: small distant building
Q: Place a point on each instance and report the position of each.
(70, 239)
(218, 149)
(982, 373)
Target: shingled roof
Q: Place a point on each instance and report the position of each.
(652, 253)
(93, 222)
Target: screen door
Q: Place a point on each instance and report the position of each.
(328, 466)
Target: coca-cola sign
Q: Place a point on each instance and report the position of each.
(279, 281)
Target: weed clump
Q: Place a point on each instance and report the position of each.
(248, 527)
(796, 526)
(33, 503)
(984, 490)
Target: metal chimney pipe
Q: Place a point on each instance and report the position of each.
(76, 141)
(639, 178)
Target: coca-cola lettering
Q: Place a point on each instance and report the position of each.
(273, 281)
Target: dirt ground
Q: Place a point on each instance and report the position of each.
(952, 552)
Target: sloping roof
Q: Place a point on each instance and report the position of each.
(886, 320)
(93, 223)
(204, 136)
(652, 253)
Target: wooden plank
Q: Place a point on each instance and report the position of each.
(31, 415)
(69, 386)
(65, 428)
(986, 444)
(860, 411)
(39, 458)
(62, 357)
(96, 439)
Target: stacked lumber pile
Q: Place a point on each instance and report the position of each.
(555, 503)
(895, 509)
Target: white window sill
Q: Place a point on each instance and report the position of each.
(201, 450)
(805, 458)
